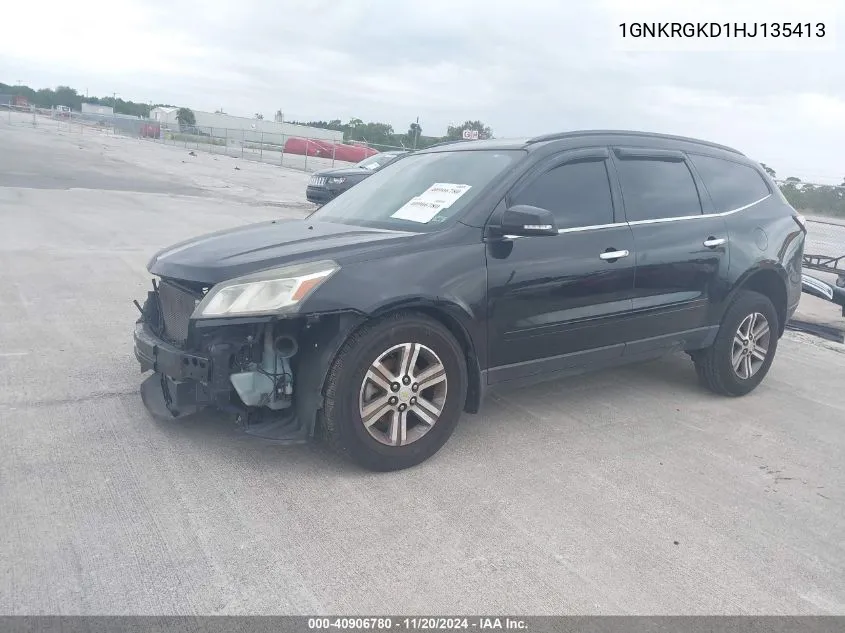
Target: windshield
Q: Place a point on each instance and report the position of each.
(375, 161)
(418, 192)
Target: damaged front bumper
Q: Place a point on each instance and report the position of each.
(268, 373)
(179, 385)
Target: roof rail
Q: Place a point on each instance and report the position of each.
(564, 135)
(442, 143)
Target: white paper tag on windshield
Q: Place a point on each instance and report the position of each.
(439, 196)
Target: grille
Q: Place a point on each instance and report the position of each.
(177, 305)
(318, 181)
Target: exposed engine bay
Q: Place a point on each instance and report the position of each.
(248, 367)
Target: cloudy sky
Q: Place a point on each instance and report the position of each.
(523, 67)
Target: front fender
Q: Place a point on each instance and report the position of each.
(469, 329)
(453, 313)
(320, 343)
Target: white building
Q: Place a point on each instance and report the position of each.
(92, 108)
(243, 128)
(165, 116)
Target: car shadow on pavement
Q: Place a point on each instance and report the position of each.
(670, 374)
(671, 377)
(217, 432)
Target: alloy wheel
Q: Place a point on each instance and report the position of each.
(403, 394)
(750, 345)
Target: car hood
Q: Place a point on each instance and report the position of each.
(216, 257)
(346, 172)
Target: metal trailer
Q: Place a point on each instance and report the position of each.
(829, 264)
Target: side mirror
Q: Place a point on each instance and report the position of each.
(525, 220)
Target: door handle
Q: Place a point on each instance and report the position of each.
(713, 242)
(613, 255)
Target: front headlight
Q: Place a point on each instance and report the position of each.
(276, 290)
(337, 181)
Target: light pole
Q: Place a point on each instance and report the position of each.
(114, 113)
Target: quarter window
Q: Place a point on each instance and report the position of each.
(578, 194)
(657, 189)
(731, 185)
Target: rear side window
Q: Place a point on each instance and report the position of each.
(657, 189)
(730, 184)
(577, 193)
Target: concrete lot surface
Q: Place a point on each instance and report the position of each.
(627, 492)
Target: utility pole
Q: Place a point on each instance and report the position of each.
(417, 133)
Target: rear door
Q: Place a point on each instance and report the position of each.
(681, 248)
(557, 302)
(735, 190)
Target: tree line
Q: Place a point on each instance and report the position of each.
(373, 133)
(379, 135)
(384, 135)
(811, 197)
(70, 97)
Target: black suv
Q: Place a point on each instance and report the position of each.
(328, 184)
(388, 312)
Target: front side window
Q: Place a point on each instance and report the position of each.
(657, 189)
(577, 193)
(419, 192)
(731, 185)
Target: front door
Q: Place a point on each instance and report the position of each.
(681, 249)
(558, 302)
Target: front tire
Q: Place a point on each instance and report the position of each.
(744, 348)
(395, 392)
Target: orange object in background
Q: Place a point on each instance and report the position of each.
(327, 149)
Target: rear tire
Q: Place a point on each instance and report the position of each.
(744, 348)
(406, 421)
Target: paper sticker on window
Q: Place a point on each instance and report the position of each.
(418, 210)
(439, 196)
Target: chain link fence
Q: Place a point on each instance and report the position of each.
(826, 232)
(295, 152)
(306, 154)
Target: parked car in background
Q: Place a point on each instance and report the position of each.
(387, 313)
(327, 184)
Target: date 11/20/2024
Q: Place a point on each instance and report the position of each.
(723, 29)
(420, 623)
